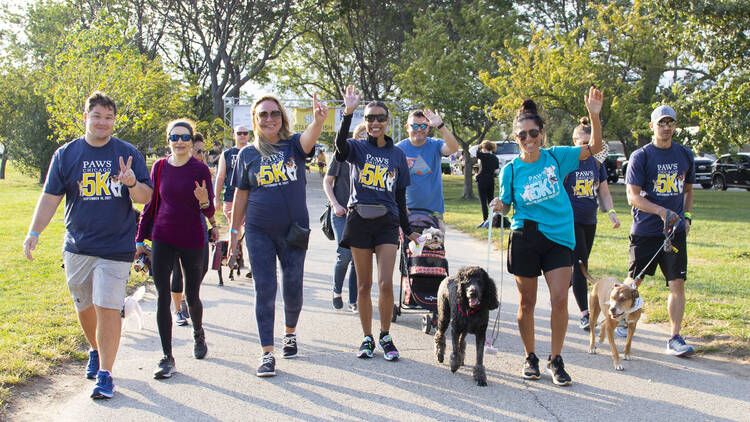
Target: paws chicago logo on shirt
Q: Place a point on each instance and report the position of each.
(275, 170)
(669, 181)
(585, 186)
(375, 175)
(541, 187)
(98, 182)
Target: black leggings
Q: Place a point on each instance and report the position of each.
(177, 271)
(163, 261)
(584, 242)
(486, 190)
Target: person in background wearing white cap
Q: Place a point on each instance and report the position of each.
(659, 182)
(225, 173)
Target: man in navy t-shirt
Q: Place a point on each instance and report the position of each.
(100, 177)
(225, 173)
(423, 155)
(660, 181)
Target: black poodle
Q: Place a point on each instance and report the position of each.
(466, 300)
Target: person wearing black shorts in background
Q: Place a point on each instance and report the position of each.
(489, 166)
(659, 182)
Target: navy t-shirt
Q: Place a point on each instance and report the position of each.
(99, 216)
(376, 173)
(276, 184)
(341, 186)
(582, 185)
(662, 175)
(230, 157)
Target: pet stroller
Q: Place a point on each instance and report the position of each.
(420, 276)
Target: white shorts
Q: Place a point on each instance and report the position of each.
(96, 281)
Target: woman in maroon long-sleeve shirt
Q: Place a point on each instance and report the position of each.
(184, 193)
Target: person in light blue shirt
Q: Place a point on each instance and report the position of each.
(423, 155)
(542, 237)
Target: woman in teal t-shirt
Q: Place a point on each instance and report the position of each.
(542, 237)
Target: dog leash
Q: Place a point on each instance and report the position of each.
(490, 341)
(667, 245)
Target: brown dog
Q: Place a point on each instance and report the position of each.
(617, 301)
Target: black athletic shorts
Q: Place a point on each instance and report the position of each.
(673, 264)
(368, 233)
(530, 253)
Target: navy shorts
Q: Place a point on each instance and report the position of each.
(673, 264)
(369, 233)
(530, 253)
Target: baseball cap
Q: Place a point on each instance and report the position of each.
(240, 128)
(662, 112)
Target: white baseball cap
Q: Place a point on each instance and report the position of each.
(662, 112)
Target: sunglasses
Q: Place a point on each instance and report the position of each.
(200, 151)
(379, 117)
(275, 114)
(243, 133)
(185, 137)
(533, 133)
(416, 126)
(663, 123)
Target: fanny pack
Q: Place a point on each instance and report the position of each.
(298, 236)
(370, 212)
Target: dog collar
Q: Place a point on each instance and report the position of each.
(470, 311)
(638, 304)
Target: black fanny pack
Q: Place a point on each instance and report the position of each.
(370, 212)
(298, 236)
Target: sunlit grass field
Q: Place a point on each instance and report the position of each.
(718, 282)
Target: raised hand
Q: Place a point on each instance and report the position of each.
(320, 110)
(351, 99)
(433, 118)
(201, 193)
(126, 176)
(594, 100)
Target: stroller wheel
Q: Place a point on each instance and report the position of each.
(395, 313)
(426, 324)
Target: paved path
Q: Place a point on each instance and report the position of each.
(327, 381)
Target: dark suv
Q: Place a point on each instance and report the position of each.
(732, 171)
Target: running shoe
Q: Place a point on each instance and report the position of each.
(338, 303)
(389, 349)
(179, 318)
(556, 368)
(290, 346)
(184, 309)
(92, 368)
(584, 323)
(267, 366)
(199, 347)
(105, 387)
(165, 369)
(531, 367)
(676, 346)
(622, 329)
(367, 348)
(353, 308)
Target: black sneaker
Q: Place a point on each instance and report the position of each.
(290, 346)
(165, 369)
(338, 302)
(388, 348)
(199, 347)
(531, 367)
(556, 368)
(267, 366)
(367, 348)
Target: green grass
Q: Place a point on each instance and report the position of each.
(38, 324)
(718, 284)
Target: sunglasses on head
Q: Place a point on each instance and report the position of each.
(416, 126)
(200, 151)
(533, 133)
(242, 133)
(663, 123)
(379, 117)
(274, 114)
(185, 137)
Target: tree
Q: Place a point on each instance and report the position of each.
(450, 46)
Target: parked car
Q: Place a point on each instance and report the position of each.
(505, 152)
(731, 171)
(445, 165)
(611, 165)
(702, 169)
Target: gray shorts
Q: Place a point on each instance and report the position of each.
(95, 281)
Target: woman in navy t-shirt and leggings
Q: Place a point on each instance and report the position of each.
(270, 198)
(377, 207)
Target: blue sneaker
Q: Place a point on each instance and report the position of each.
(93, 366)
(105, 387)
(676, 347)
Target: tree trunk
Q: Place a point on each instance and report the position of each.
(2, 165)
(468, 192)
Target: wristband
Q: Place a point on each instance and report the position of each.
(611, 211)
(33, 233)
(140, 244)
(131, 186)
(233, 231)
(204, 205)
(440, 126)
(689, 220)
(688, 215)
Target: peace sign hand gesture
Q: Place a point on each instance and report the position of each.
(351, 99)
(594, 101)
(126, 175)
(320, 110)
(201, 193)
(433, 118)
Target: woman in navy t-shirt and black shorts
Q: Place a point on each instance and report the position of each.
(377, 207)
